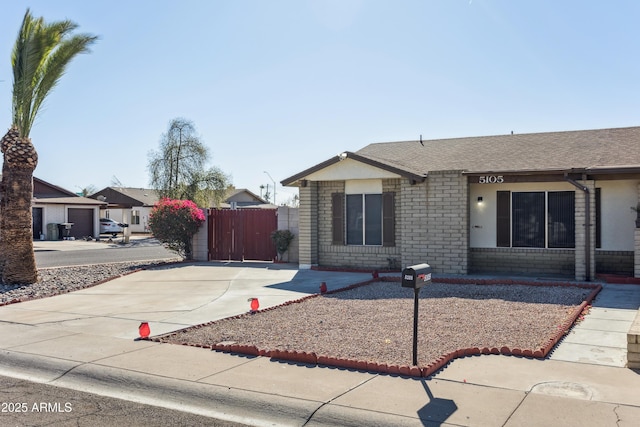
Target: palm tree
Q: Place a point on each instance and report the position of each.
(39, 58)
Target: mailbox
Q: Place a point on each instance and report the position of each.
(416, 276)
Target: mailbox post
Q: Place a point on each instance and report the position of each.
(416, 276)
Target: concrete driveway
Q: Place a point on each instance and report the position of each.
(173, 297)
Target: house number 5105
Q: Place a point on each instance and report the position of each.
(491, 179)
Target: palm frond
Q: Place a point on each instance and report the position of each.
(39, 58)
(54, 67)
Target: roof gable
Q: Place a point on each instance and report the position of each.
(350, 169)
(44, 189)
(354, 169)
(242, 195)
(127, 197)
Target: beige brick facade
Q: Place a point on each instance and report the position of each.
(433, 181)
(431, 225)
(308, 222)
(370, 257)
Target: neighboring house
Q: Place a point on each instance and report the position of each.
(53, 205)
(243, 198)
(496, 204)
(133, 205)
(128, 205)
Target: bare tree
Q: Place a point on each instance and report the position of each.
(178, 169)
(86, 190)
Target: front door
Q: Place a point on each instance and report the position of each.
(37, 223)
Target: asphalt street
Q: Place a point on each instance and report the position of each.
(25, 403)
(105, 252)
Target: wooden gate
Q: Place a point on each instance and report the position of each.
(242, 234)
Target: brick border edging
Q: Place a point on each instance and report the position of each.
(404, 370)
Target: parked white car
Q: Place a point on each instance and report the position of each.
(109, 226)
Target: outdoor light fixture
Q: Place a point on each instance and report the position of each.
(479, 199)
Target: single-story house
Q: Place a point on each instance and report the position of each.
(128, 205)
(557, 203)
(243, 198)
(53, 205)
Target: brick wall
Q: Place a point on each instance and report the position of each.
(371, 257)
(412, 225)
(633, 344)
(431, 226)
(522, 261)
(618, 262)
(448, 222)
(308, 223)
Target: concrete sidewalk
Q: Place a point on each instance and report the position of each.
(84, 341)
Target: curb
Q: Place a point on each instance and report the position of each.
(219, 402)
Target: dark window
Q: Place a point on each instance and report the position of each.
(503, 238)
(355, 219)
(561, 219)
(369, 219)
(388, 219)
(528, 220)
(373, 219)
(535, 219)
(598, 216)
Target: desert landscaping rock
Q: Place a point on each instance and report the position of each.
(374, 323)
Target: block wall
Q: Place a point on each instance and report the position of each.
(522, 261)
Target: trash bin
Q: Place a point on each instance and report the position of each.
(52, 231)
(63, 230)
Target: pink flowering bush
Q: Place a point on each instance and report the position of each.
(175, 222)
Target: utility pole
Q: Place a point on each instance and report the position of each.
(274, 187)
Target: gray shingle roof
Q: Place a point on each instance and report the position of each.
(603, 148)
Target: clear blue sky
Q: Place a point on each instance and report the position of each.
(280, 86)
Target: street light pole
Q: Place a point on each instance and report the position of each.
(274, 188)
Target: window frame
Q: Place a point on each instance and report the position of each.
(510, 225)
(135, 216)
(340, 220)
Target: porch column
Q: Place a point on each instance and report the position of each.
(308, 225)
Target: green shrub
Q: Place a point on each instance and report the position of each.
(282, 239)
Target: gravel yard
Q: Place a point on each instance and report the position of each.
(375, 322)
